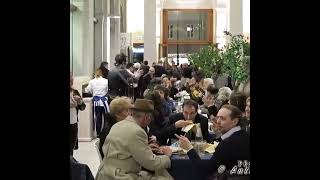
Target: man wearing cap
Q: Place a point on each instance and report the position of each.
(127, 150)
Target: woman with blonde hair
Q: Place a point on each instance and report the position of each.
(98, 87)
(119, 110)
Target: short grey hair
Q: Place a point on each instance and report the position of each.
(139, 114)
(226, 91)
(137, 65)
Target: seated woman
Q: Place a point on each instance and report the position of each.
(167, 103)
(239, 100)
(194, 89)
(119, 110)
(158, 124)
(174, 79)
(151, 85)
(222, 98)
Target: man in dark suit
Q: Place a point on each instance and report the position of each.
(232, 153)
(159, 69)
(190, 112)
(118, 76)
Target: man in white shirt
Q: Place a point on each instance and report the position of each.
(98, 87)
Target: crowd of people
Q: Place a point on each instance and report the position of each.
(136, 118)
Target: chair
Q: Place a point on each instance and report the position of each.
(96, 145)
(79, 171)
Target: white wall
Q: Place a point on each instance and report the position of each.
(135, 15)
(82, 38)
(83, 42)
(235, 16)
(189, 4)
(150, 44)
(246, 16)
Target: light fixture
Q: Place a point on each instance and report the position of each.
(95, 20)
(114, 16)
(73, 7)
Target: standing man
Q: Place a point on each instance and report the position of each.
(118, 76)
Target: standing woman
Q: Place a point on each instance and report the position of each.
(98, 87)
(76, 104)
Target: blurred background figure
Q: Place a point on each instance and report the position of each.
(98, 87)
(76, 104)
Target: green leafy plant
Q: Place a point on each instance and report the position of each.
(207, 58)
(233, 59)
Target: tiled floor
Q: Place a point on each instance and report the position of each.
(87, 154)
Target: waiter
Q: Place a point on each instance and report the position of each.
(98, 87)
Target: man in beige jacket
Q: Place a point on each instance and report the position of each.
(126, 149)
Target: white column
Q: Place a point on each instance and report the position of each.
(88, 45)
(98, 14)
(235, 16)
(150, 44)
(112, 31)
(83, 38)
(114, 39)
(246, 17)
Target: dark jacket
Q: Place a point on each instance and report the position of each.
(159, 70)
(227, 153)
(145, 81)
(198, 119)
(212, 110)
(110, 121)
(173, 92)
(159, 125)
(79, 171)
(105, 72)
(117, 79)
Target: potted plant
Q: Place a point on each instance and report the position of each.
(233, 59)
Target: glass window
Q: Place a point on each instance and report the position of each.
(187, 25)
(184, 48)
(221, 27)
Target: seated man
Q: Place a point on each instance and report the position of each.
(232, 153)
(126, 149)
(190, 112)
